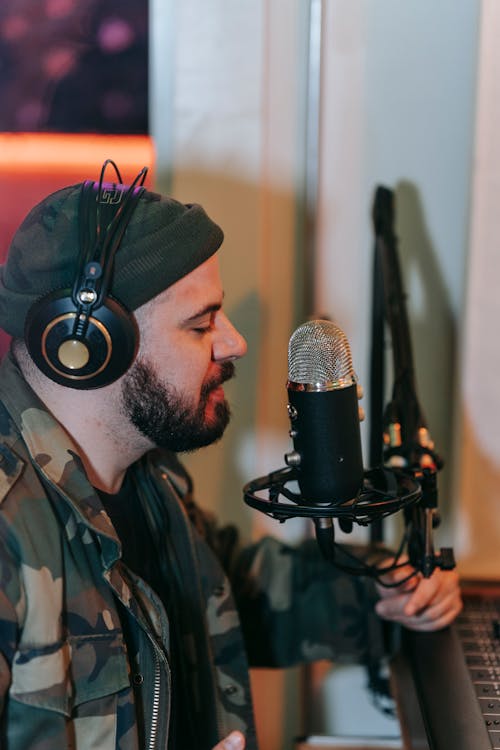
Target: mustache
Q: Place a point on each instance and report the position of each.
(226, 372)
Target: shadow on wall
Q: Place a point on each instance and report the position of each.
(432, 326)
(261, 264)
(261, 267)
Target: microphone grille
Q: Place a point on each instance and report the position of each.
(319, 353)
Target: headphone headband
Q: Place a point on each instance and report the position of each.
(101, 203)
(81, 337)
(104, 214)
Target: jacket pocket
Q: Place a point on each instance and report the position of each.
(63, 676)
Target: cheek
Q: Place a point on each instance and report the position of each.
(187, 376)
(179, 360)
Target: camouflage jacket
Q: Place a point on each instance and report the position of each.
(68, 679)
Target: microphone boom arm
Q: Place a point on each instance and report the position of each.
(407, 442)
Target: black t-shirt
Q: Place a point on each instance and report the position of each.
(127, 516)
(140, 554)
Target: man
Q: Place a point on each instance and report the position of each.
(117, 623)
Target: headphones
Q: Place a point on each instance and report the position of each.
(82, 337)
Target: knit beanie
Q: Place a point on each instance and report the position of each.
(164, 241)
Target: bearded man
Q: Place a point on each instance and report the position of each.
(118, 627)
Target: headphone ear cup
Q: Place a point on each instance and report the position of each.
(101, 355)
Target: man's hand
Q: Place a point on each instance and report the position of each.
(234, 741)
(420, 603)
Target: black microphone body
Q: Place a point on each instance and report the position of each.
(327, 442)
(326, 460)
(324, 416)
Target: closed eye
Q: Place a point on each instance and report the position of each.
(202, 329)
(204, 325)
(203, 321)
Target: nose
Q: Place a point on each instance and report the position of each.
(228, 342)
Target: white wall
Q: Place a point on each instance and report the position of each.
(399, 95)
(398, 105)
(399, 102)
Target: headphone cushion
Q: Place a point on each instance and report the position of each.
(104, 352)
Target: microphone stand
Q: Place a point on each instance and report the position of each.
(406, 439)
(405, 477)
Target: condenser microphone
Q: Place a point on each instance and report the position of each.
(326, 461)
(324, 415)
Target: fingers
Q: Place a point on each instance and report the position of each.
(440, 584)
(432, 618)
(234, 741)
(405, 575)
(433, 603)
(437, 615)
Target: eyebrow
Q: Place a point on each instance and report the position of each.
(207, 310)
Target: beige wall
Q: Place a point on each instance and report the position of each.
(398, 107)
(235, 148)
(233, 140)
(478, 399)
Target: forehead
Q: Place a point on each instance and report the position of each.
(201, 287)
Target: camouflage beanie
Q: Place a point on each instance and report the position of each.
(164, 241)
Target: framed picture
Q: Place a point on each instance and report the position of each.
(74, 66)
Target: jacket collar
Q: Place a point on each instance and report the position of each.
(53, 453)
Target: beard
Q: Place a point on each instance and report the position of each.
(163, 415)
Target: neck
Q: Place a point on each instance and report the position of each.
(108, 443)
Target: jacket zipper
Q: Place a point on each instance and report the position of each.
(155, 712)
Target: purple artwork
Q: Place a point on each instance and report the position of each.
(74, 66)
